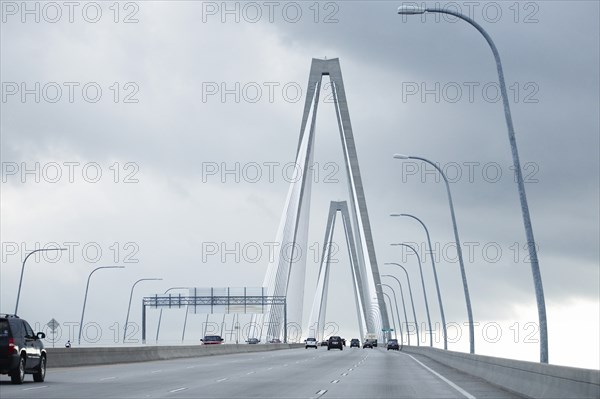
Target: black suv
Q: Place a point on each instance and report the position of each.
(355, 343)
(393, 345)
(335, 342)
(21, 351)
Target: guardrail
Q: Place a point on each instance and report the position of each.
(534, 380)
(70, 357)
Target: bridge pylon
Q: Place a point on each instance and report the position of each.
(287, 271)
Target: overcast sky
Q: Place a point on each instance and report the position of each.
(163, 98)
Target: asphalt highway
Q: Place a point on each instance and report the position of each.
(295, 373)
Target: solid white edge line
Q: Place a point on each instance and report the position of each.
(177, 390)
(441, 377)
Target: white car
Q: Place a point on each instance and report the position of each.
(310, 343)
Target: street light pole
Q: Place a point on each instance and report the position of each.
(397, 311)
(87, 286)
(130, 297)
(23, 270)
(403, 305)
(424, 291)
(535, 267)
(161, 309)
(411, 298)
(435, 277)
(393, 317)
(463, 273)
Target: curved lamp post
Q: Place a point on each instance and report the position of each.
(393, 317)
(458, 248)
(424, 291)
(23, 270)
(397, 311)
(458, 251)
(87, 287)
(435, 277)
(535, 267)
(376, 314)
(130, 297)
(161, 309)
(403, 305)
(412, 302)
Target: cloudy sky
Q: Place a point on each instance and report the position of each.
(158, 136)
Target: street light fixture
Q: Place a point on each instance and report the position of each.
(397, 311)
(23, 270)
(393, 317)
(161, 309)
(535, 266)
(411, 298)
(403, 305)
(87, 287)
(423, 285)
(463, 273)
(130, 297)
(435, 277)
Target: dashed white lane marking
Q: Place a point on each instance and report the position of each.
(32, 388)
(108, 378)
(190, 367)
(321, 392)
(350, 369)
(335, 381)
(441, 377)
(177, 390)
(344, 374)
(156, 371)
(222, 379)
(252, 372)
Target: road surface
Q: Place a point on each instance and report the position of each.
(296, 373)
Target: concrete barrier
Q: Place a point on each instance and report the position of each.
(63, 357)
(534, 380)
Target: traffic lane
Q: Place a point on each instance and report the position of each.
(303, 378)
(476, 386)
(393, 374)
(164, 378)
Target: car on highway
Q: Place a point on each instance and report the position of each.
(325, 342)
(253, 341)
(275, 341)
(368, 344)
(354, 343)
(311, 343)
(393, 345)
(212, 340)
(335, 342)
(21, 351)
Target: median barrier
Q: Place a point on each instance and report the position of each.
(534, 380)
(70, 357)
